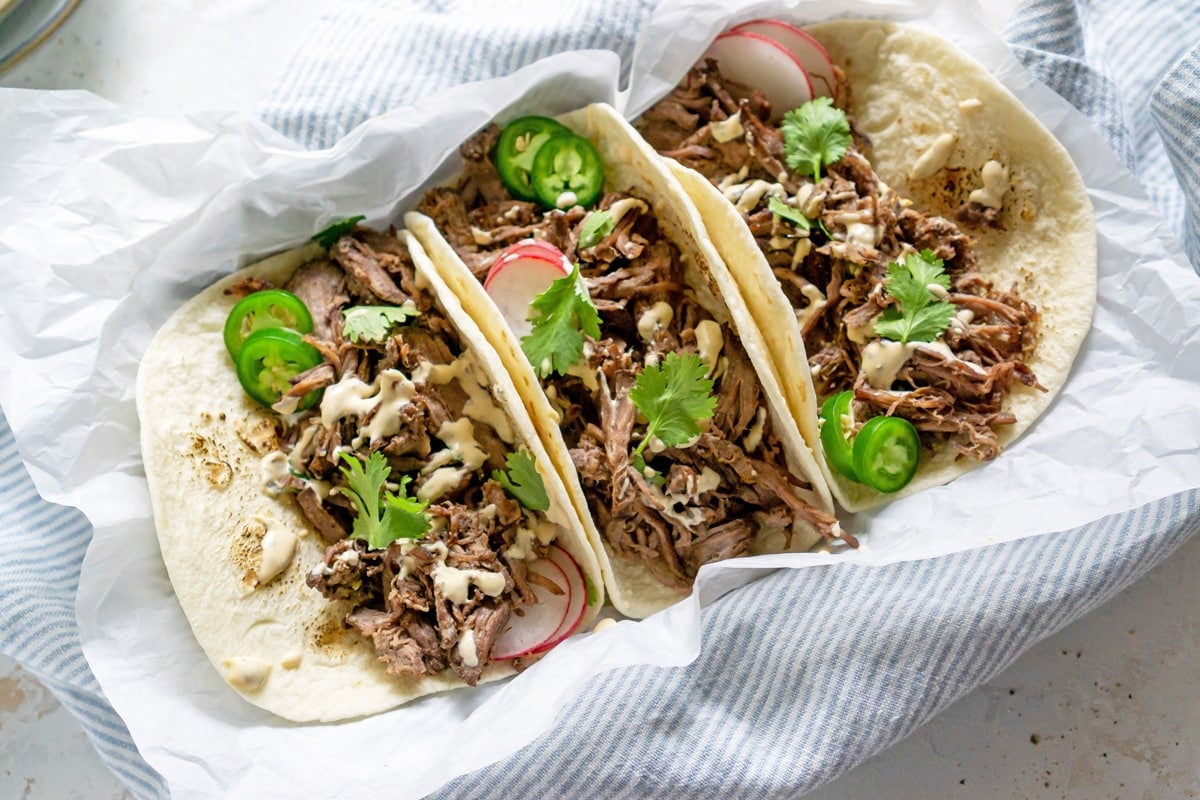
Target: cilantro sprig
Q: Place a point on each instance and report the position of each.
(522, 481)
(796, 217)
(561, 316)
(674, 396)
(790, 213)
(920, 317)
(814, 135)
(327, 237)
(373, 323)
(597, 225)
(382, 516)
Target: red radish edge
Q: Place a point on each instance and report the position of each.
(513, 642)
(578, 591)
(535, 249)
(543, 263)
(771, 28)
(776, 46)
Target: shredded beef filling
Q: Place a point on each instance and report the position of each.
(397, 601)
(717, 493)
(835, 283)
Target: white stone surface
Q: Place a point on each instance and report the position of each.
(1107, 708)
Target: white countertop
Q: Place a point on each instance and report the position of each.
(1107, 708)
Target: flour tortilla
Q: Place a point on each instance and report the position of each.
(202, 442)
(907, 85)
(631, 165)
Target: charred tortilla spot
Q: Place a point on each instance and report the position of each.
(259, 434)
(330, 637)
(218, 474)
(200, 444)
(244, 548)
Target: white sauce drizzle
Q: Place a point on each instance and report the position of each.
(708, 480)
(273, 470)
(727, 130)
(943, 349)
(623, 206)
(862, 234)
(882, 360)
(654, 319)
(455, 583)
(246, 674)
(803, 248)
(962, 318)
(731, 180)
(459, 436)
(389, 392)
(522, 548)
(934, 157)
(581, 369)
(546, 531)
(481, 404)
(753, 193)
(816, 301)
(466, 648)
(296, 459)
(861, 334)
(278, 547)
(937, 290)
(995, 183)
(753, 437)
(709, 342)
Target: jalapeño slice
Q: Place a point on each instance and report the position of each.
(886, 453)
(270, 308)
(519, 142)
(567, 171)
(833, 434)
(270, 358)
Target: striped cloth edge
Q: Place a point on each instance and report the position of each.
(1068, 574)
(1145, 100)
(950, 623)
(41, 551)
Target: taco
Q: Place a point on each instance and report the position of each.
(664, 416)
(938, 267)
(361, 513)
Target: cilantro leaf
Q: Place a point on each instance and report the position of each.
(522, 481)
(815, 134)
(373, 323)
(650, 474)
(401, 516)
(674, 396)
(597, 225)
(561, 316)
(328, 237)
(791, 214)
(794, 215)
(920, 317)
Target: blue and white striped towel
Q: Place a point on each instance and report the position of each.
(820, 690)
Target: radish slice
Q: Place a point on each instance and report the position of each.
(541, 621)
(752, 59)
(519, 274)
(578, 592)
(803, 46)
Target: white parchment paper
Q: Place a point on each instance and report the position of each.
(110, 219)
